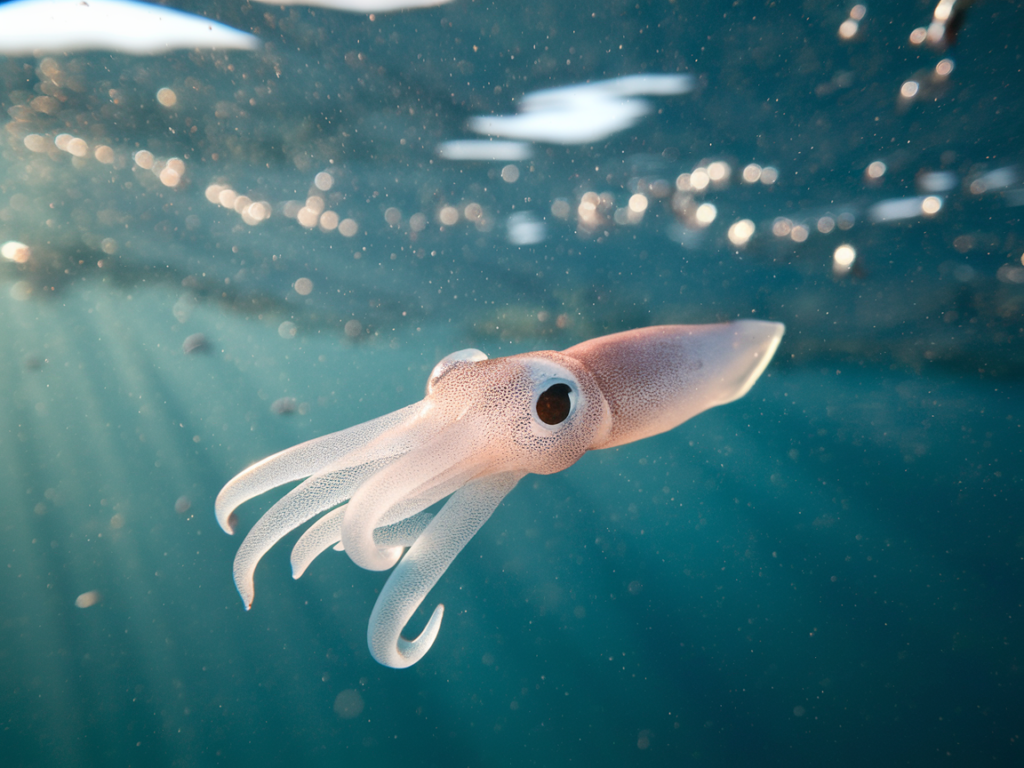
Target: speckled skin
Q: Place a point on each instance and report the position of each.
(654, 379)
(473, 436)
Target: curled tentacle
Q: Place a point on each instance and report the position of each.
(377, 502)
(327, 531)
(424, 563)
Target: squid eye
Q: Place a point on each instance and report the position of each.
(554, 404)
(554, 401)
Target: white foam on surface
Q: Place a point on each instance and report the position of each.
(484, 149)
(583, 114)
(361, 6)
(28, 27)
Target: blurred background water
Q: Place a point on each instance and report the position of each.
(212, 255)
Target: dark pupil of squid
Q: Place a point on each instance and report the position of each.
(553, 404)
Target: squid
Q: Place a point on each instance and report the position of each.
(482, 426)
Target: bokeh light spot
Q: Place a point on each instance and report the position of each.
(167, 97)
(88, 599)
(706, 214)
(308, 217)
(909, 89)
(169, 177)
(348, 704)
(14, 251)
(876, 170)
(741, 232)
(323, 181)
(638, 203)
(77, 147)
(36, 143)
(719, 172)
(449, 215)
(848, 29)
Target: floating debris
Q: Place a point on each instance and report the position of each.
(195, 343)
(283, 406)
(88, 599)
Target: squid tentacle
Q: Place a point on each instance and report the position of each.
(424, 564)
(328, 486)
(311, 456)
(377, 501)
(327, 531)
(322, 491)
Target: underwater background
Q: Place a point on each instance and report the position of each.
(828, 571)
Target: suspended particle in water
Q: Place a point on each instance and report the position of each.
(348, 704)
(194, 343)
(283, 406)
(88, 599)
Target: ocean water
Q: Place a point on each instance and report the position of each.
(828, 571)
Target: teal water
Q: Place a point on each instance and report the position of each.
(828, 571)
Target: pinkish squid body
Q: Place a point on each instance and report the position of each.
(482, 426)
